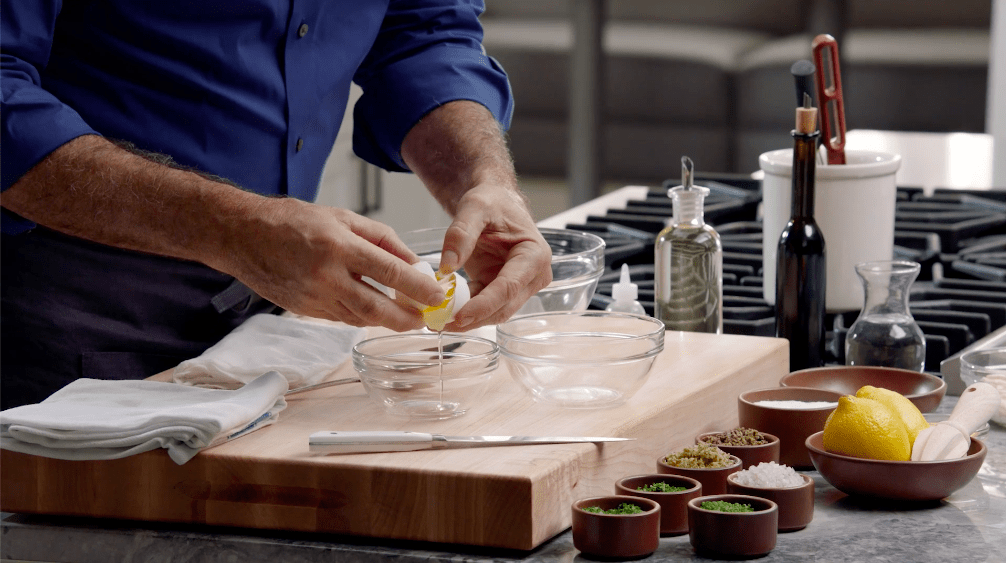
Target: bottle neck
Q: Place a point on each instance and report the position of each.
(804, 166)
(689, 205)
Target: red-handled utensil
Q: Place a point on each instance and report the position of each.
(829, 97)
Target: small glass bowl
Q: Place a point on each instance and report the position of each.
(588, 359)
(404, 372)
(577, 265)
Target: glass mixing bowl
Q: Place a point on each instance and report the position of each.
(577, 265)
(581, 359)
(404, 373)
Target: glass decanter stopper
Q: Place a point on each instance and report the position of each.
(688, 263)
(886, 334)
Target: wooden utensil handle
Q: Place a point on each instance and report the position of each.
(976, 406)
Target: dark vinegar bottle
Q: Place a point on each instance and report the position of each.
(800, 266)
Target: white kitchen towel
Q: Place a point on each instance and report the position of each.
(302, 350)
(100, 419)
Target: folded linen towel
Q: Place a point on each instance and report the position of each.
(304, 351)
(99, 419)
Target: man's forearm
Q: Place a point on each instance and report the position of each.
(457, 146)
(92, 189)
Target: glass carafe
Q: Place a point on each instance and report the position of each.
(886, 334)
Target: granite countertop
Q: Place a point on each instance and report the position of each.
(970, 525)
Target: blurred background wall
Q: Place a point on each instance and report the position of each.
(710, 78)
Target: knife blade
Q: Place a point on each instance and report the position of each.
(341, 442)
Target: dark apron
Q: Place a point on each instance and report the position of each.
(71, 308)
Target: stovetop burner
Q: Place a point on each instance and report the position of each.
(958, 236)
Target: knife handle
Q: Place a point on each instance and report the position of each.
(339, 442)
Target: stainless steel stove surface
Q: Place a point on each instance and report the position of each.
(958, 236)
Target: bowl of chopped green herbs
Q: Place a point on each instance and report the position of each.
(616, 527)
(732, 526)
(671, 492)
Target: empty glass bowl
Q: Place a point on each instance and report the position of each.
(405, 374)
(581, 359)
(577, 265)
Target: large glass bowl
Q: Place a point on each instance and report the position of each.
(577, 265)
(404, 373)
(581, 359)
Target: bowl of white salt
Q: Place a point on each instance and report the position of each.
(789, 413)
(781, 484)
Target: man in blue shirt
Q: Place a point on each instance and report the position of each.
(159, 157)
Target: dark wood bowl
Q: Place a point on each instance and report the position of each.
(923, 389)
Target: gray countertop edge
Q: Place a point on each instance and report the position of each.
(970, 526)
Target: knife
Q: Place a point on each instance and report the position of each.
(332, 442)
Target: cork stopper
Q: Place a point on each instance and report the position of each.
(806, 117)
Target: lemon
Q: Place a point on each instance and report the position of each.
(866, 428)
(906, 409)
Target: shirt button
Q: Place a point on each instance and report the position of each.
(300, 144)
(302, 31)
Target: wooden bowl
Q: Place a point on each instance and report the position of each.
(673, 506)
(749, 455)
(616, 536)
(733, 535)
(796, 504)
(896, 480)
(714, 480)
(792, 426)
(923, 389)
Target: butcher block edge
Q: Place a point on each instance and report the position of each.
(511, 497)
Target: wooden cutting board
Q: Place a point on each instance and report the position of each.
(511, 497)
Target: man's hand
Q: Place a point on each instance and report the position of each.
(311, 259)
(306, 258)
(459, 153)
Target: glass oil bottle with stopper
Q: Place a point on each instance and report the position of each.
(688, 264)
(800, 265)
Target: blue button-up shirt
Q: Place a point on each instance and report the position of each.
(251, 90)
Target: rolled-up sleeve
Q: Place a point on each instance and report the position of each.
(425, 55)
(35, 122)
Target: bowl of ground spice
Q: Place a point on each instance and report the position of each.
(616, 527)
(706, 464)
(732, 526)
(750, 445)
(671, 492)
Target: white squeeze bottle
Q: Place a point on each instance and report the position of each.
(625, 293)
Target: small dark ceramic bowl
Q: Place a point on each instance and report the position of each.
(923, 389)
(896, 480)
(714, 480)
(796, 504)
(673, 506)
(616, 536)
(733, 535)
(792, 426)
(749, 455)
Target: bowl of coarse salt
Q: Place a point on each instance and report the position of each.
(781, 484)
(789, 413)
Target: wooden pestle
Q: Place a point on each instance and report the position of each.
(951, 438)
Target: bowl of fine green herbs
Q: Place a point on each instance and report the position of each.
(732, 526)
(671, 492)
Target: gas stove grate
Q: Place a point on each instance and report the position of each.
(958, 236)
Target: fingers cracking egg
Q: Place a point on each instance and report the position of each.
(455, 287)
